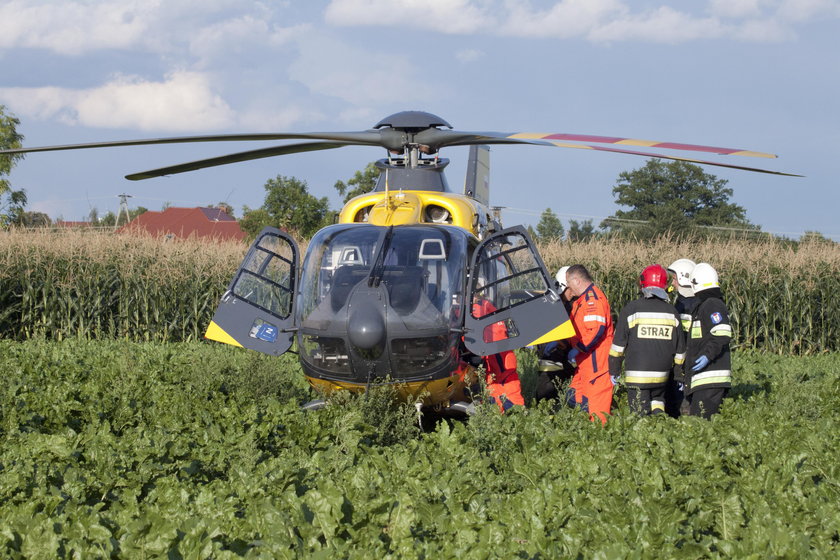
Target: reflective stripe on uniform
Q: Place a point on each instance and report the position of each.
(651, 318)
(616, 350)
(710, 377)
(657, 405)
(679, 358)
(721, 330)
(550, 365)
(645, 377)
(696, 330)
(685, 319)
(598, 318)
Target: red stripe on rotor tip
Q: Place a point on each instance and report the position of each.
(666, 145)
(696, 148)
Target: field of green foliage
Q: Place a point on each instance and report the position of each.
(197, 450)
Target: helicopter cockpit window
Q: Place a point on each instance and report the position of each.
(339, 258)
(266, 276)
(421, 268)
(508, 274)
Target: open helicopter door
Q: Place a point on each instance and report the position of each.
(514, 303)
(256, 310)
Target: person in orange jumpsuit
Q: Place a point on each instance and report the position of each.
(592, 386)
(501, 378)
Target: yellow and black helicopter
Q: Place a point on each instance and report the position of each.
(386, 293)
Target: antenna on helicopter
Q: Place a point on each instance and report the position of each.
(497, 214)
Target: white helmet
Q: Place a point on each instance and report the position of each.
(704, 277)
(682, 269)
(561, 279)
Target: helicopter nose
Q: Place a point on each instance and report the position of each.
(366, 327)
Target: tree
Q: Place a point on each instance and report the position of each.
(549, 228)
(532, 232)
(581, 231)
(362, 182)
(12, 202)
(226, 207)
(288, 205)
(814, 237)
(253, 221)
(675, 197)
(32, 220)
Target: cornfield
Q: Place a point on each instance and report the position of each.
(96, 285)
(782, 296)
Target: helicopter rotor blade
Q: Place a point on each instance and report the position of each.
(238, 157)
(403, 132)
(369, 137)
(675, 158)
(645, 144)
(476, 137)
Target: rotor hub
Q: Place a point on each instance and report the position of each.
(412, 121)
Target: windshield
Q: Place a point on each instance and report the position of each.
(416, 263)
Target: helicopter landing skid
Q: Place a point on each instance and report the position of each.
(316, 404)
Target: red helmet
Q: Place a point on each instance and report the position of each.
(654, 276)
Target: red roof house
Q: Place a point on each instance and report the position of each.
(182, 223)
(70, 225)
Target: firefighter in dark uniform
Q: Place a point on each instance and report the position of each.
(554, 368)
(680, 269)
(648, 338)
(708, 367)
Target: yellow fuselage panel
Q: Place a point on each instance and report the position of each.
(408, 208)
(432, 392)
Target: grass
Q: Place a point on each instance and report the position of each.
(124, 449)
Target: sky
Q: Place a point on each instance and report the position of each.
(761, 75)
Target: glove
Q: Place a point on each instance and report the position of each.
(680, 387)
(549, 348)
(614, 380)
(572, 357)
(701, 363)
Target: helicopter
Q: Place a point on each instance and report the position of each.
(385, 294)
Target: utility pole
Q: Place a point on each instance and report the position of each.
(123, 207)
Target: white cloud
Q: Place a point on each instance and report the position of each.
(242, 37)
(763, 31)
(799, 11)
(663, 25)
(569, 18)
(184, 101)
(173, 27)
(332, 68)
(595, 20)
(75, 27)
(735, 8)
(444, 16)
